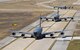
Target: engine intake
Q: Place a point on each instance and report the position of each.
(51, 35)
(62, 33)
(13, 33)
(22, 35)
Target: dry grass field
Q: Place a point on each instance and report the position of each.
(77, 32)
(74, 45)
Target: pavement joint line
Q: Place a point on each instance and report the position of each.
(69, 22)
(45, 31)
(29, 44)
(8, 44)
(52, 45)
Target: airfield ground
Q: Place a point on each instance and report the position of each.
(20, 4)
(74, 45)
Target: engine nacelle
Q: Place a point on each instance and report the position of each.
(62, 33)
(65, 19)
(13, 33)
(46, 19)
(40, 18)
(72, 18)
(22, 35)
(51, 35)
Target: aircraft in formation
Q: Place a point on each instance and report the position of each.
(56, 17)
(63, 7)
(38, 31)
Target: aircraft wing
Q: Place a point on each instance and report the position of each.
(66, 17)
(60, 31)
(19, 32)
(47, 17)
(47, 33)
(56, 31)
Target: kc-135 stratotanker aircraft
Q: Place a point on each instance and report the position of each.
(37, 33)
(56, 17)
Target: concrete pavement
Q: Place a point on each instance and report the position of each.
(5, 42)
(25, 29)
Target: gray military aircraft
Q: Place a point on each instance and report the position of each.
(37, 33)
(63, 7)
(56, 17)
